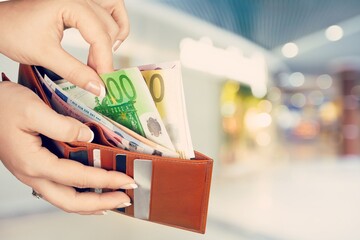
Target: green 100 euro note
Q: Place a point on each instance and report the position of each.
(127, 102)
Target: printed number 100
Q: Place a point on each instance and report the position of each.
(117, 89)
(156, 87)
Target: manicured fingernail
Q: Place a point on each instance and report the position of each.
(101, 213)
(85, 135)
(129, 186)
(126, 204)
(102, 92)
(116, 45)
(96, 88)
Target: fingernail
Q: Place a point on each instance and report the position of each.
(96, 88)
(116, 45)
(102, 92)
(101, 213)
(85, 135)
(129, 186)
(126, 204)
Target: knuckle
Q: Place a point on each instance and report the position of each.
(38, 165)
(123, 31)
(72, 8)
(114, 32)
(74, 75)
(106, 37)
(68, 208)
(29, 170)
(28, 109)
(83, 179)
(70, 205)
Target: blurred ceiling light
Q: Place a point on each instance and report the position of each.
(263, 139)
(316, 97)
(296, 79)
(265, 105)
(298, 100)
(283, 79)
(285, 118)
(334, 33)
(228, 109)
(274, 94)
(290, 50)
(324, 81)
(264, 119)
(254, 120)
(203, 56)
(328, 112)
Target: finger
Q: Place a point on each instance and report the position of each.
(121, 18)
(95, 60)
(78, 175)
(74, 71)
(96, 35)
(68, 199)
(112, 27)
(46, 121)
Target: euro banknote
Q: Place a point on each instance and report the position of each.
(166, 87)
(64, 104)
(127, 102)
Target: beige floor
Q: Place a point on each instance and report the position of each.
(318, 200)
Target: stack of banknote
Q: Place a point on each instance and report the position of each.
(143, 109)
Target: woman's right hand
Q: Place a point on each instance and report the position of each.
(31, 33)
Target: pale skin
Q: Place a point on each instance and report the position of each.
(31, 33)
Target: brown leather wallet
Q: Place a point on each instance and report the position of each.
(179, 189)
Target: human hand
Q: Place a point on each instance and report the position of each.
(31, 33)
(23, 117)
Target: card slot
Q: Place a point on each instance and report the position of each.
(120, 166)
(78, 154)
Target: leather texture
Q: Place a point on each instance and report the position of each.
(179, 188)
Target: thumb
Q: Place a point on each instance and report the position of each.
(46, 121)
(74, 71)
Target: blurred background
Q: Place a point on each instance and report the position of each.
(272, 90)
